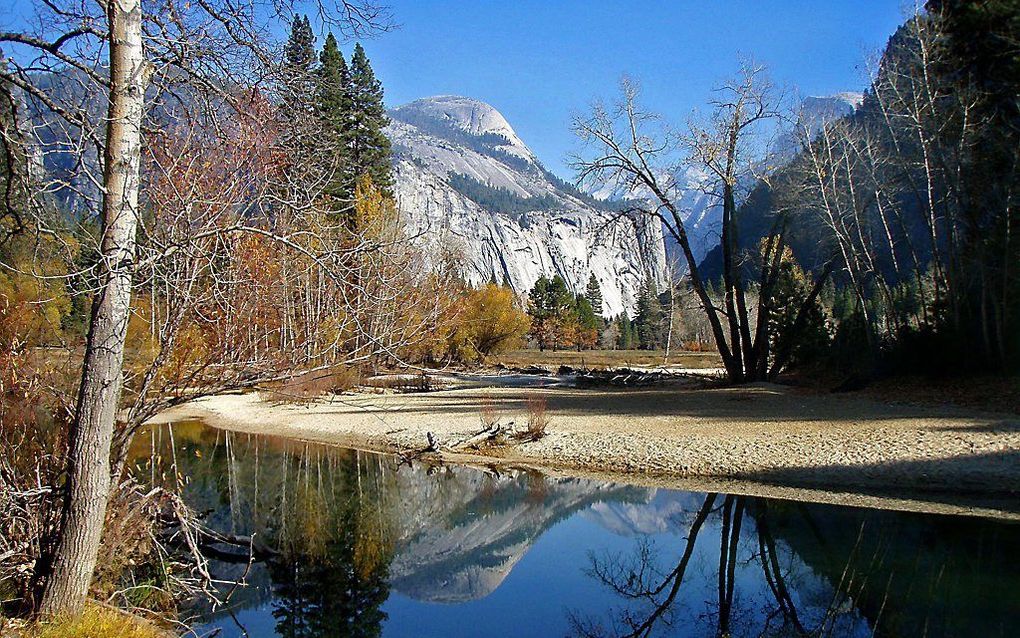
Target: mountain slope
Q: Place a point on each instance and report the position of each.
(464, 179)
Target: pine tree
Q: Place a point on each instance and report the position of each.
(299, 61)
(370, 148)
(649, 318)
(335, 109)
(540, 311)
(550, 306)
(560, 298)
(625, 332)
(297, 107)
(593, 293)
(588, 324)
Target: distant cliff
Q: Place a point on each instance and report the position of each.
(465, 179)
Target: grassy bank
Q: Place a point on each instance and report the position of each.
(97, 621)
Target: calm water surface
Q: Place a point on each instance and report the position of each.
(365, 546)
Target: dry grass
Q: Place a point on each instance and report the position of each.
(488, 413)
(604, 359)
(96, 622)
(538, 418)
(309, 386)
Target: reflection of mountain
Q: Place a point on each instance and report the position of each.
(353, 527)
(459, 545)
(665, 512)
(452, 534)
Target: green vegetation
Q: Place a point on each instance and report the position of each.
(500, 200)
(348, 103)
(560, 319)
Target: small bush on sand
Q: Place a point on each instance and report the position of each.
(345, 379)
(538, 418)
(488, 414)
(309, 386)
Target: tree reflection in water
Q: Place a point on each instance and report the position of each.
(338, 532)
(317, 512)
(330, 576)
(652, 597)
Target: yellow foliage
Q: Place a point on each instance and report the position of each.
(490, 323)
(375, 215)
(310, 518)
(141, 345)
(373, 544)
(31, 308)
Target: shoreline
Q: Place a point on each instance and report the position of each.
(758, 440)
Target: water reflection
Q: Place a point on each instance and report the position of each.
(780, 595)
(355, 544)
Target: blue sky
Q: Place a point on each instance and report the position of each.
(540, 61)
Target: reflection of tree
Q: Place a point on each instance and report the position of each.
(318, 514)
(652, 595)
(633, 582)
(769, 558)
(330, 577)
(329, 594)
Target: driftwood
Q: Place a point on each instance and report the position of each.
(433, 444)
(212, 544)
(532, 370)
(623, 378)
(432, 441)
(488, 434)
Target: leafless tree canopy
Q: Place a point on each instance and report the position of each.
(629, 146)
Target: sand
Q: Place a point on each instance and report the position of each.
(764, 434)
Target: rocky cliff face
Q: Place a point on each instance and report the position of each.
(466, 181)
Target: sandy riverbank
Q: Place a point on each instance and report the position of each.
(763, 433)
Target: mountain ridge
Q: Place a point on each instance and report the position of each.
(448, 150)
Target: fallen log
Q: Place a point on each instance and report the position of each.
(487, 434)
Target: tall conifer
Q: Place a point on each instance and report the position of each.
(370, 148)
(649, 320)
(299, 61)
(593, 293)
(335, 109)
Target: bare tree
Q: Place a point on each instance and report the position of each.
(631, 147)
(893, 189)
(137, 57)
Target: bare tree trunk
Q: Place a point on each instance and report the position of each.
(669, 317)
(99, 394)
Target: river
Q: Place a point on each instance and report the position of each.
(361, 544)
